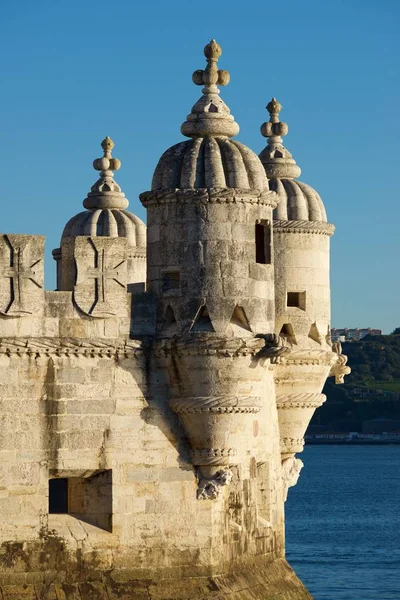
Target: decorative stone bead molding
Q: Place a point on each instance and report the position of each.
(291, 468)
(212, 456)
(217, 405)
(210, 195)
(68, 347)
(211, 489)
(315, 227)
(21, 275)
(339, 369)
(137, 253)
(101, 281)
(307, 356)
(291, 445)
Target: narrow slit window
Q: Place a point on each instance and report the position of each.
(263, 242)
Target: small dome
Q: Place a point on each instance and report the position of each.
(108, 222)
(209, 162)
(210, 159)
(106, 204)
(297, 201)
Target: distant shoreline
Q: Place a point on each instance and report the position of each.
(352, 442)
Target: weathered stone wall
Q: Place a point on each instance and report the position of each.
(80, 398)
(207, 239)
(302, 265)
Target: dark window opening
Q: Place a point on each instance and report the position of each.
(88, 499)
(263, 243)
(58, 496)
(171, 281)
(296, 299)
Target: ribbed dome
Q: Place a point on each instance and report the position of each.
(108, 222)
(297, 201)
(209, 162)
(210, 159)
(106, 204)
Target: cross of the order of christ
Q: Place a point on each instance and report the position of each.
(102, 274)
(21, 269)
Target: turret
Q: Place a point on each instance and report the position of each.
(302, 288)
(105, 216)
(209, 216)
(301, 238)
(210, 266)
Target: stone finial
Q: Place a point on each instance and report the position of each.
(277, 160)
(210, 116)
(106, 193)
(107, 163)
(274, 127)
(211, 76)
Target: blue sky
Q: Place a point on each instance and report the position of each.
(75, 72)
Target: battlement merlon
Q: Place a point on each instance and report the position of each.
(100, 304)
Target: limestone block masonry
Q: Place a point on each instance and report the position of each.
(153, 405)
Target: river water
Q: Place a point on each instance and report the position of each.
(343, 522)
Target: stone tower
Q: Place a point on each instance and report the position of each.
(302, 291)
(150, 420)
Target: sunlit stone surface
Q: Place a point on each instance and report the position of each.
(150, 422)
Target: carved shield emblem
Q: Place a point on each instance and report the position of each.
(101, 283)
(21, 274)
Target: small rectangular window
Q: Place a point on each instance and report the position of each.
(88, 499)
(263, 242)
(296, 299)
(171, 281)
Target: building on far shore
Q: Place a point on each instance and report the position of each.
(352, 335)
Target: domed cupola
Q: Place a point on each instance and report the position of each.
(106, 215)
(210, 159)
(209, 216)
(297, 201)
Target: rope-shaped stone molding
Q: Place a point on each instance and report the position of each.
(69, 347)
(216, 404)
(211, 195)
(191, 345)
(301, 400)
(318, 227)
(212, 456)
